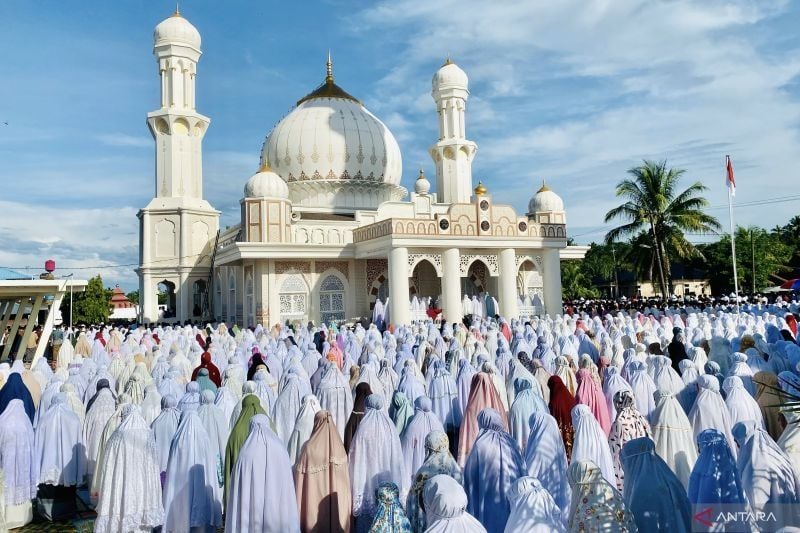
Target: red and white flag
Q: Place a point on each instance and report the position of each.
(729, 179)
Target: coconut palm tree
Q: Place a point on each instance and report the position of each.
(654, 204)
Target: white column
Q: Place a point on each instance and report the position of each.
(507, 261)
(399, 306)
(551, 278)
(451, 285)
(148, 302)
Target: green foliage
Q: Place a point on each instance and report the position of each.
(760, 255)
(653, 206)
(133, 296)
(92, 306)
(574, 282)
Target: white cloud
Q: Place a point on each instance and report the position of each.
(579, 92)
(125, 140)
(85, 242)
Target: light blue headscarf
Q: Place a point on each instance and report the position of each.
(389, 516)
(714, 478)
(526, 402)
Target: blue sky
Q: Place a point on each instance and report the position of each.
(573, 92)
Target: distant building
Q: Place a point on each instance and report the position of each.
(123, 308)
(686, 281)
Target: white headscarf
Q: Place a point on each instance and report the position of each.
(192, 496)
(709, 411)
(16, 455)
(673, 436)
(741, 406)
(446, 507)
(261, 496)
(375, 456)
(60, 454)
(129, 483)
(532, 508)
(767, 474)
(590, 442)
(303, 426)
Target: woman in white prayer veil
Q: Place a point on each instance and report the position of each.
(710, 412)
(546, 459)
(18, 465)
(673, 435)
(590, 442)
(164, 428)
(664, 376)
(59, 448)
(532, 508)
(261, 496)
(446, 507)
(192, 497)
(303, 426)
(375, 456)
(129, 485)
(741, 406)
(643, 389)
(217, 429)
(287, 407)
(65, 355)
(335, 396)
(767, 474)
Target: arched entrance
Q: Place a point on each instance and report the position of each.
(199, 298)
(530, 288)
(166, 299)
(426, 288)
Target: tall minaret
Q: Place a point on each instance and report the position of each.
(453, 153)
(176, 126)
(178, 226)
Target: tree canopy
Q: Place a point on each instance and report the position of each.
(92, 306)
(659, 215)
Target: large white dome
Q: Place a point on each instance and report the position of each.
(330, 136)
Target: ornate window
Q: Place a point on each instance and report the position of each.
(331, 300)
(293, 298)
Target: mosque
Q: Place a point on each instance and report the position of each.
(327, 234)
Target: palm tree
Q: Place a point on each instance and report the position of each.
(653, 204)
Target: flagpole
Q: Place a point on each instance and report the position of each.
(733, 239)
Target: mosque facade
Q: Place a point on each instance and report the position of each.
(326, 231)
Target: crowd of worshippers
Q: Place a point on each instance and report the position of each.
(566, 423)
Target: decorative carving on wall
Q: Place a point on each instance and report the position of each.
(375, 269)
(299, 266)
(490, 260)
(341, 266)
(414, 257)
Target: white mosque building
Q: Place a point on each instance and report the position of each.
(326, 232)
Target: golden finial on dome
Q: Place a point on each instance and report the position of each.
(480, 190)
(447, 61)
(177, 11)
(329, 69)
(264, 167)
(543, 188)
(421, 174)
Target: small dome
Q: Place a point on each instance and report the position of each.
(266, 184)
(481, 189)
(176, 30)
(450, 76)
(545, 200)
(422, 185)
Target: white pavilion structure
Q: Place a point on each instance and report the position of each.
(326, 230)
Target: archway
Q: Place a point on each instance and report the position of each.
(166, 299)
(530, 288)
(199, 298)
(428, 287)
